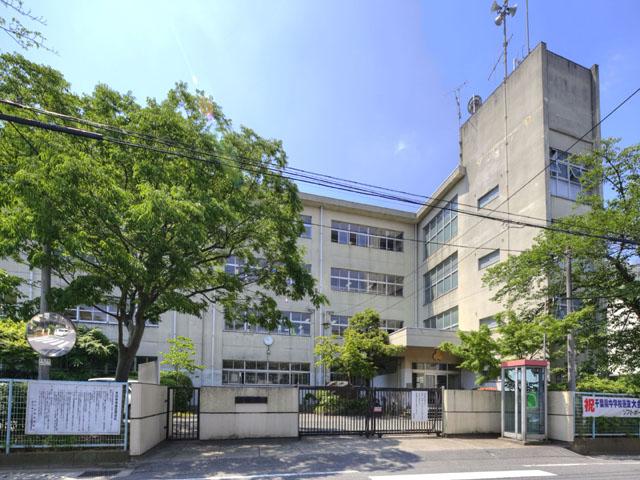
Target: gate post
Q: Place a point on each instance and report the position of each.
(127, 406)
(9, 406)
(169, 419)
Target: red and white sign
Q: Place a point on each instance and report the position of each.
(610, 407)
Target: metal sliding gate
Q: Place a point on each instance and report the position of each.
(183, 413)
(369, 411)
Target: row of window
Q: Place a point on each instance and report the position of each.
(300, 325)
(345, 280)
(339, 324)
(447, 320)
(441, 228)
(365, 236)
(441, 279)
(247, 372)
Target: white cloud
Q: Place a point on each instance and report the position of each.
(400, 146)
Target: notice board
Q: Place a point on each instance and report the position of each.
(73, 408)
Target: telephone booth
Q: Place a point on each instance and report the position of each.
(524, 399)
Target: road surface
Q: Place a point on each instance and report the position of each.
(354, 458)
(52, 345)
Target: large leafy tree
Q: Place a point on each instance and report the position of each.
(605, 271)
(148, 227)
(362, 353)
(92, 353)
(515, 337)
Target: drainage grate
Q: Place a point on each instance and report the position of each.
(98, 473)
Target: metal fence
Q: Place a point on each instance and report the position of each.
(13, 417)
(603, 426)
(183, 413)
(366, 411)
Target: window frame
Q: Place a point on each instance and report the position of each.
(446, 279)
(490, 257)
(437, 321)
(441, 228)
(488, 197)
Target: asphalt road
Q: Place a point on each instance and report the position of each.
(52, 345)
(353, 458)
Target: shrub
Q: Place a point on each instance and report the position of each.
(183, 391)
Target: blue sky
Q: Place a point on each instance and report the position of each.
(356, 89)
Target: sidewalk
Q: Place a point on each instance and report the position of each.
(339, 454)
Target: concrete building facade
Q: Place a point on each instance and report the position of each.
(421, 270)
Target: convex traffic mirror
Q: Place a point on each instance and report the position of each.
(51, 334)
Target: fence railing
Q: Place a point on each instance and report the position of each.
(368, 411)
(603, 426)
(13, 419)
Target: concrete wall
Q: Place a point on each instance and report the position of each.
(560, 415)
(471, 411)
(148, 417)
(222, 417)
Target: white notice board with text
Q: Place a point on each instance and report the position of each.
(74, 408)
(419, 405)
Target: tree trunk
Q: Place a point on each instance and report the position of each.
(127, 353)
(126, 357)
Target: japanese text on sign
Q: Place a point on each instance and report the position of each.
(70, 408)
(610, 407)
(419, 406)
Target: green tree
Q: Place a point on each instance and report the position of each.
(12, 25)
(17, 358)
(148, 228)
(91, 353)
(180, 355)
(605, 273)
(514, 338)
(364, 351)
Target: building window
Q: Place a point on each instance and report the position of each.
(441, 228)
(561, 306)
(339, 324)
(238, 266)
(91, 314)
(441, 279)
(489, 259)
(364, 236)
(300, 325)
(487, 197)
(306, 220)
(490, 322)
(565, 176)
(345, 280)
(250, 372)
(447, 320)
(391, 326)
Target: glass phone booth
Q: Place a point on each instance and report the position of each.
(524, 399)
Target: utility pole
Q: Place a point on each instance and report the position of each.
(45, 286)
(571, 343)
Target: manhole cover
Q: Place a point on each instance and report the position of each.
(98, 473)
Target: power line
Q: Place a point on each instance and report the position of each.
(295, 171)
(300, 177)
(547, 165)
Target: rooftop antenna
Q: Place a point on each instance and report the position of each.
(456, 93)
(503, 12)
(527, 25)
(498, 61)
